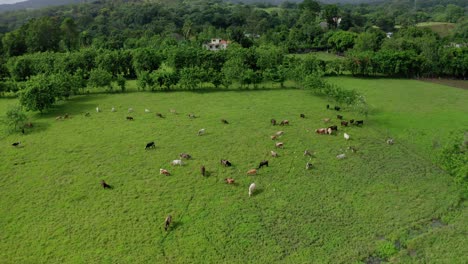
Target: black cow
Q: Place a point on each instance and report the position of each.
(351, 121)
(344, 123)
(203, 170)
(263, 163)
(105, 185)
(16, 144)
(337, 108)
(129, 118)
(359, 122)
(159, 115)
(150, 145)
(302, 115)
(226, 163)
(328, 106)
(273, 122)
(167, 222)
(224, 121)
(339, 117)
(334, 128)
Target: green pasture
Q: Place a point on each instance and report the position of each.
(442, 28)
(386, 202)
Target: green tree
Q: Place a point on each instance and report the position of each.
(341, 41)
(331, 15)
(100, 78)
(38, 94)
(70, 34)
(121, 81)
(14, 117)
(42, 34)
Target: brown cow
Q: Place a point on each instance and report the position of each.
(167, 222)
(279, 145)
(321, 131)
(284, 122)
(273, 122)
(344, 123)
(203, 170)
(229, 180)
(252, 172)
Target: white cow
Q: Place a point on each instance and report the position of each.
(97, 109)
(130, 110)
(177, 162)
(341, 156)
(252, 189)
(113, 109)
(346, 136)
(147, 110)
(201, 132)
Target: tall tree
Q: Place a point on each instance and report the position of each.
(70, 34)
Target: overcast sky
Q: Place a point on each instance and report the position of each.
(10, 1)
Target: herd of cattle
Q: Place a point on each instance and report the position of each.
(330, 130)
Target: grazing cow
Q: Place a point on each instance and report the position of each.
(229, 180)
(308, 165)
(279, 145)
(87, 114)
(351, 121)
(346, 136)
(159, 115)
(329, 131)
(130, 110)
(344, 123)
(279, 133)
(334, 127)
(302, 116)
(59, 118)
(226, 163)
(263, 163)
(177, 162)
(224, 121)
(273, 122)
(105, 185)
(252, 189)
(359, 122)
(252, 172)
(147, 110)
(165, 172)
(328, 106)
(341, 156)
(167, 222)
(337, 108)
(273, 137)
(191, 116)
(274, 154)
(321, 131)
(16, 144)
(129, 118)
(98, 110)
(150, 145)
(203, 170)
(284, 122)
(66, 116)
(339, 117)
(113, 109)
(307, 153)
(201, 132)
(390, 141)
(326, 120)
(185, 156)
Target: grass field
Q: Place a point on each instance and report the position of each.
(321, 55)
(383, 202)
(442, 28)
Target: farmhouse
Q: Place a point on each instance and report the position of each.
(216, 44)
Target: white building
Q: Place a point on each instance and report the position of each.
(216, 44)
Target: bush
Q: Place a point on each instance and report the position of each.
(454, 158)
(14, 118)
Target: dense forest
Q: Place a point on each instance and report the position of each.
(160, 43)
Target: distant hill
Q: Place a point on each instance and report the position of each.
(36, 4)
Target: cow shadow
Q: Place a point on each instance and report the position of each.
(258, 191)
